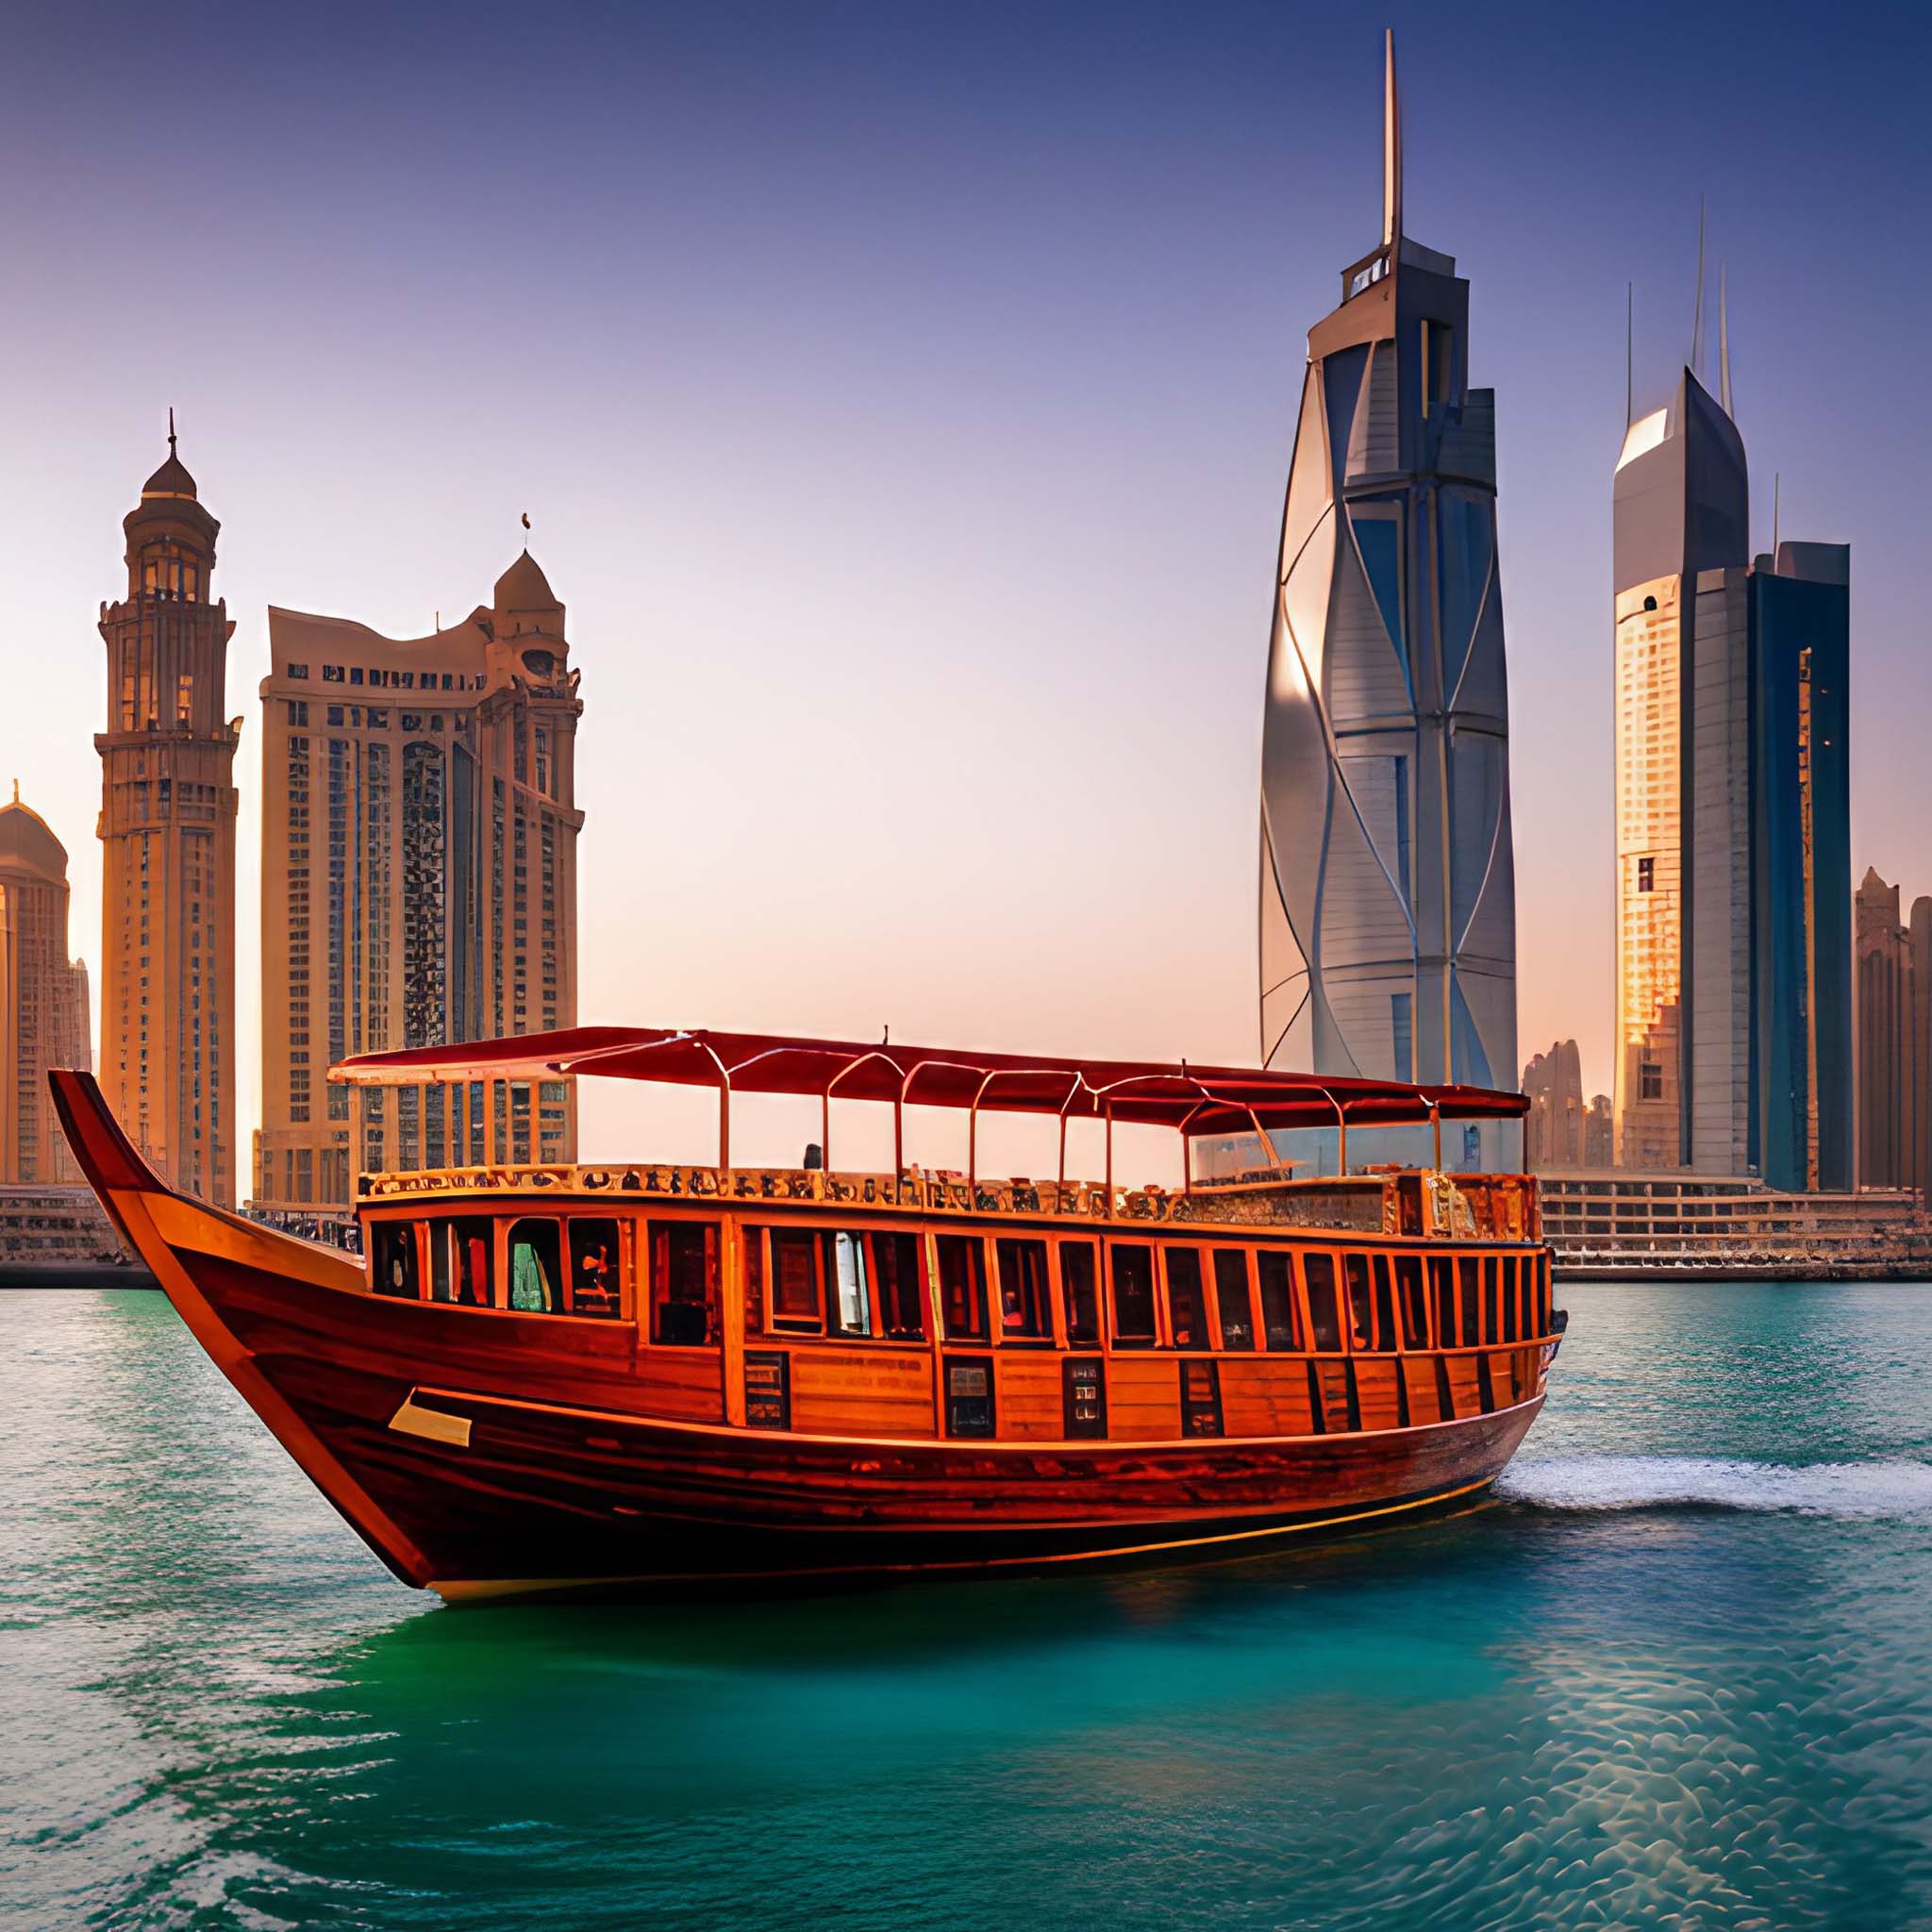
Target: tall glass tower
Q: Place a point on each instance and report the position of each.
(1387, 930)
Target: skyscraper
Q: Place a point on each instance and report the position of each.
(43, 1019)
(1682, 507)
(1772, 950)
(1387, 926)
(419, 885)
(1894, 979)
(1733, 817)
(1554, 1129)
(167, 834)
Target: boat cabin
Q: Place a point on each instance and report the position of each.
(1261, 1297)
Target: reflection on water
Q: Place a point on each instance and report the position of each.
(1679, 1670)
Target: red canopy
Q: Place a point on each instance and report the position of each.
(1198, 1100)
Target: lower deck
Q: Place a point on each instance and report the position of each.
(831, 1322)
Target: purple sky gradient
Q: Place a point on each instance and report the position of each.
(902, 396)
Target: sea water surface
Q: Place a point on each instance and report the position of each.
(1679, 1674)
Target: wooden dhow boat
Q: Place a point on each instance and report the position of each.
(620, 1378)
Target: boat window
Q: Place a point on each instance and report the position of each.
(535, 1267)
(1025, 1312)
(1280, 1318)
(795, 1281)
(459, 1261)
(1132, 1272)
(1491, 1328)
(852, 1307)
(1187, 1300)
(394, 1272)
(1511, 1307)
(962, 1286)
(1466, 1283)
(1079, 1294)
(1385, 1304)
(1442, 1285)
(684, 1283)
(1360, 1327)
(1414, 1305)
(1325, 1316)
(595, 1287)
(902, 1298)
(1231, 1292)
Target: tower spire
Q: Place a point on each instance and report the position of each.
(1629, 354)
(1391, 145)
(171, 429)
(1697, 319)
(1723, 342)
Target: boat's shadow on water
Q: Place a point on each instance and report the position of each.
(909, 1622)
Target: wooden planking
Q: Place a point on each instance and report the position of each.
(1144, 1398)
(1419, 1376)
(1029, 1395)
(873, 1390)
(1376, 1397)
(1265, 1395)
(1465, 1385)
(687, 1384)
(1512, 1373)
(1331, 1380)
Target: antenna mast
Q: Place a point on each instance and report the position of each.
(1629, 354)
(1392, 146)
(1723, 342)
(1697, 321)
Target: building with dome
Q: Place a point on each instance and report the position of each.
(43, 1002)
(417, 887)
(167, 830)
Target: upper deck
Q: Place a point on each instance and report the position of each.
(1420, 1203)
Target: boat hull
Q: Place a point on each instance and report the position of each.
(485, 1454)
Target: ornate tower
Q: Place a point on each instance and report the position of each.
(168, 833)
(1388, 940)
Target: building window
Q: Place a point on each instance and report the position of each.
(1646, 875)
(1650, 1079)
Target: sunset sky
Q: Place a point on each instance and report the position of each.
(902, 398)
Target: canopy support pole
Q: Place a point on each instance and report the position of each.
(1267, 1145)
(1436, 1130)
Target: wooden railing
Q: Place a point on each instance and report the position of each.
(1438, 1206)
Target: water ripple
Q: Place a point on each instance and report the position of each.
(1850, 1490)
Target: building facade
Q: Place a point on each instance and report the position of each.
(1554, 1130)
(44, 1000)
(1603, 1226)
(1734, 995)
(419, 886)
(1682, 506)
(167, 831)
(1894, 1006)
(1387, 919)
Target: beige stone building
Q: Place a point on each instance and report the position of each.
(43, 1018)
(419, 885)
(167, 832)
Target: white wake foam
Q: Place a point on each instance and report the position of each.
(1649, 1482)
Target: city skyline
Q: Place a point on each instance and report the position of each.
(1043, 532)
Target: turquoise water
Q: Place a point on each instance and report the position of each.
(1680, 1674)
